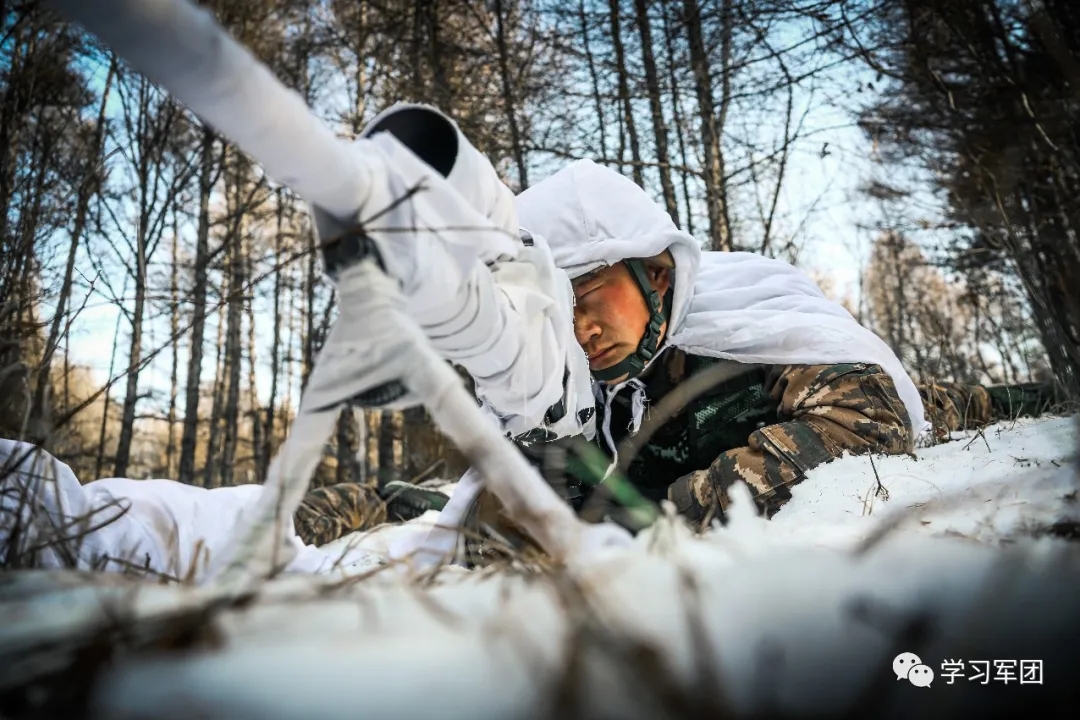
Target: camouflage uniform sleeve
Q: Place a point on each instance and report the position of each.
(331, 512)
(824, 411)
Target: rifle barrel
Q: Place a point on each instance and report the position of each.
(181, 47)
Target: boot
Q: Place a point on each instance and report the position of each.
(1022, 400)
(405, 501)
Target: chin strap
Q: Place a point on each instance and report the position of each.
(659, 311)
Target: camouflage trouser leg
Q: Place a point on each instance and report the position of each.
(331, 512)
(955, 406)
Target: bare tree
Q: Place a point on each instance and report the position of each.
(208, 173)
(509, 96)
(150, 123)
(652, 87)
(711, 122)
(87, 189)
(624, 94)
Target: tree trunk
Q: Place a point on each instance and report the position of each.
(372, 437)
(624, 93)
(727, 19)
(221, 369)
(149, 126)
(508, 98)
(597, 99)
(107, 400)
(360, 459)
(254, 411)
(295, 318)
(443, 91)
(190, 435)
(417, 450)
(652, 86)
(131, 395)
(716, 198)
(264, 454)
(390, 446)
(676, 111)
(360, 101)
(418, 93)
(309, 312)
(234, 319)
(346, 446)
(174, 335)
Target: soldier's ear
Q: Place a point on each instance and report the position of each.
(664, 259)
(660, 277)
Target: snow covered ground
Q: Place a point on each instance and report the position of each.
(1008, 481)
(1005, 481)
(795, 616)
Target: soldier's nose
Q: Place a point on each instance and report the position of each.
(585, 328)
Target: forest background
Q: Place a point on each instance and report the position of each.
(161, 301)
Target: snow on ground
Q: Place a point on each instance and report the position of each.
(799, 614)
(988, 485)
(1005, 481)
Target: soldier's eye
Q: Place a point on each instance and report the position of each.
(587, 288)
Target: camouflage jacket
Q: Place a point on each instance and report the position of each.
(765, 427)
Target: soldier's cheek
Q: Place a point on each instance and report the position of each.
(622, 311)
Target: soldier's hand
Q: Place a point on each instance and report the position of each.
(693, 495)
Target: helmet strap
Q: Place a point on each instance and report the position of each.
(659, 311)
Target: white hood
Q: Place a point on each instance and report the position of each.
(592, 216)
(736, 306)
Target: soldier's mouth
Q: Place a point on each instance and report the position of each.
(601, 356)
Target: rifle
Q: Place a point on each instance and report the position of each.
(360, 191)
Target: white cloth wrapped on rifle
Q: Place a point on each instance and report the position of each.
(489, 300)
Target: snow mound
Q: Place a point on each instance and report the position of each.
(993, 485)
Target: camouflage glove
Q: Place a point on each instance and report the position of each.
(698, 497)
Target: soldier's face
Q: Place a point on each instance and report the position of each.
(610, 314)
